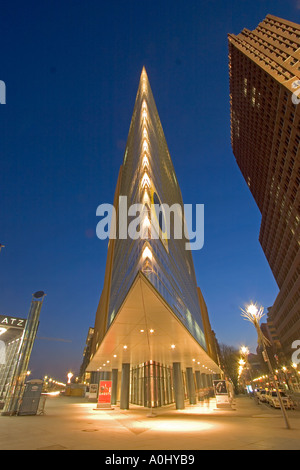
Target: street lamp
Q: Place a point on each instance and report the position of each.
(294, 366)
(244, 351)
(1, 246)
(70, 375)
(241, 364)
(254, 315)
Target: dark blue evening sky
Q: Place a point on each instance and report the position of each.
(71, 70)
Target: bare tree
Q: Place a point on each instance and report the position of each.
(229, 360)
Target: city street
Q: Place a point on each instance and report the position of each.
(71, 423)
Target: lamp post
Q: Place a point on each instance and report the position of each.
(294, 366)
(254, 315)
(244, 351)
(1, 246)
(69, 375)
(241, 363)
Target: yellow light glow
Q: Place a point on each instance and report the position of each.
(144, 110)
(146, 222)
(146, 198)
(182, 425)
(145, 163)
(244, 350)
(145, 181)
(147, 253)
(252, 309)
(173, 346)
(70, 375)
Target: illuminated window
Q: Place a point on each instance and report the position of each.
(145, 181)
(147, 253)
(145, 162)
(146, 198)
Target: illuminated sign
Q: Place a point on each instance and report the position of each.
(221, 392)
(104, 392)
(12, 322)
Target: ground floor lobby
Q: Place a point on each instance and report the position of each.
(153, 385)
(152, 357)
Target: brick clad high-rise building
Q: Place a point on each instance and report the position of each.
(264, 68)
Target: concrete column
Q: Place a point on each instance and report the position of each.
(198, 383)
(191, 385)
(178, 386)
(125, 382)
(114, 386)
(95, 377)
(204, 381)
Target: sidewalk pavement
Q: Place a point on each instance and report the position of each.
(71, 423)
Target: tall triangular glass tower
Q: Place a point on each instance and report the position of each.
(149, 323)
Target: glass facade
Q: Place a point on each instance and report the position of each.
(148, 176)
(151, 385)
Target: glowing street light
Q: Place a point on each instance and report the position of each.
(1, 246)
(244, 351)
(69, 375)
(254, 314)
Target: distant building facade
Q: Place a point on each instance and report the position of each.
(86, 356)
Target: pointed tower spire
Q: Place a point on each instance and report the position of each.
(148, 177)
(149, 312)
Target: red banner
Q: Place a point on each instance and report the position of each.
(104, 391)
